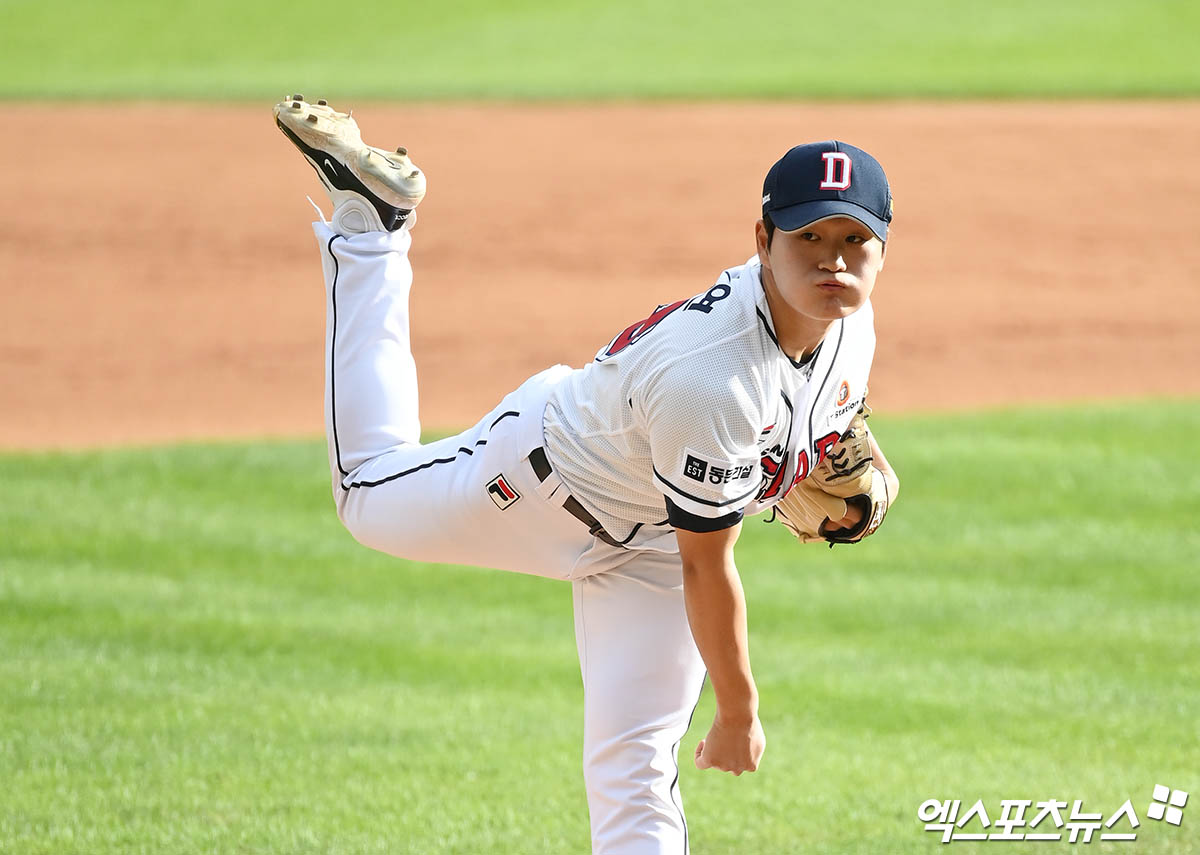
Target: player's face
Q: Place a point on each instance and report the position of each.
(823, 271)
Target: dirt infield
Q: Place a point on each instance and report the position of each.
(161, 280)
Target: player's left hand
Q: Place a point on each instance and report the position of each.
(853, 515)
(847, 495)
(814, 515)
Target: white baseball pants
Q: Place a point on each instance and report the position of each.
(442, 502)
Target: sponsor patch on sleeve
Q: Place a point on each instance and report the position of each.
(714, 472)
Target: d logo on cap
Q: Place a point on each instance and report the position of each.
(814, 181)
(834, 159)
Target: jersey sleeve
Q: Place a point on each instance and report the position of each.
(702, 426)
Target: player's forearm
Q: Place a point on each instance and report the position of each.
(716, 610)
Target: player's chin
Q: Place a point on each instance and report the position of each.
(832, 304)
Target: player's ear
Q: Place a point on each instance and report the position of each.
(760, 240)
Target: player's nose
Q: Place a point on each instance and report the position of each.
(833, 262)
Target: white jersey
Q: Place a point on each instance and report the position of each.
(694, 417)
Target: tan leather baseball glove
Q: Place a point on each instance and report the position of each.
(846, 478)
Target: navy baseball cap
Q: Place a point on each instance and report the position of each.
(827, 179)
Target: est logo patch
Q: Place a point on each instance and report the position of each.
(695, 468)
(715, 472)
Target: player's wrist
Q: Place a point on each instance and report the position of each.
(740, 714)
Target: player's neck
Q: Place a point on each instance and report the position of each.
(798, 335)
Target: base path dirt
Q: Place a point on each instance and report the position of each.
(161, 280)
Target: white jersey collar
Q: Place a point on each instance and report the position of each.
(753, 268)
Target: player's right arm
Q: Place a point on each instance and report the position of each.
(703, 415)
(716, 610)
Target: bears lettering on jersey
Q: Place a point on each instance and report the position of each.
(824, 445)
(773, 457)
(772, 465)
(772, 469)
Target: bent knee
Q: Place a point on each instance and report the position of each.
(366, 528)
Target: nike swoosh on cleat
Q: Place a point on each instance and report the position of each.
(331, 166)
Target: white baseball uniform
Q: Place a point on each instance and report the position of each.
(690, 418)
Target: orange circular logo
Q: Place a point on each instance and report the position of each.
(843, 393)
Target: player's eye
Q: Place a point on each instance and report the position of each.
(809, 236)
(856, 239)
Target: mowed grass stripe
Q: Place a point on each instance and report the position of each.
(581, 49)
(194, 656)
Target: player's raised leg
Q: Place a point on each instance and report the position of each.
(371, 401)
(434, 502)
(371, 380)
(642, 676)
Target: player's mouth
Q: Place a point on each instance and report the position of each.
(831, 285)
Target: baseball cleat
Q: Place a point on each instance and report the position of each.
(350, 169)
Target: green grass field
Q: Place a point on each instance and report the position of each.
(194, 657)
(230, 49)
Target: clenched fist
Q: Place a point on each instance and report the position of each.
(731, 746)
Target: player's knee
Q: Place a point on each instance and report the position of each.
(381, 526)
(360, 524)
(628, 765)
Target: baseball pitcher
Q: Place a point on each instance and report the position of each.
(629, 477)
